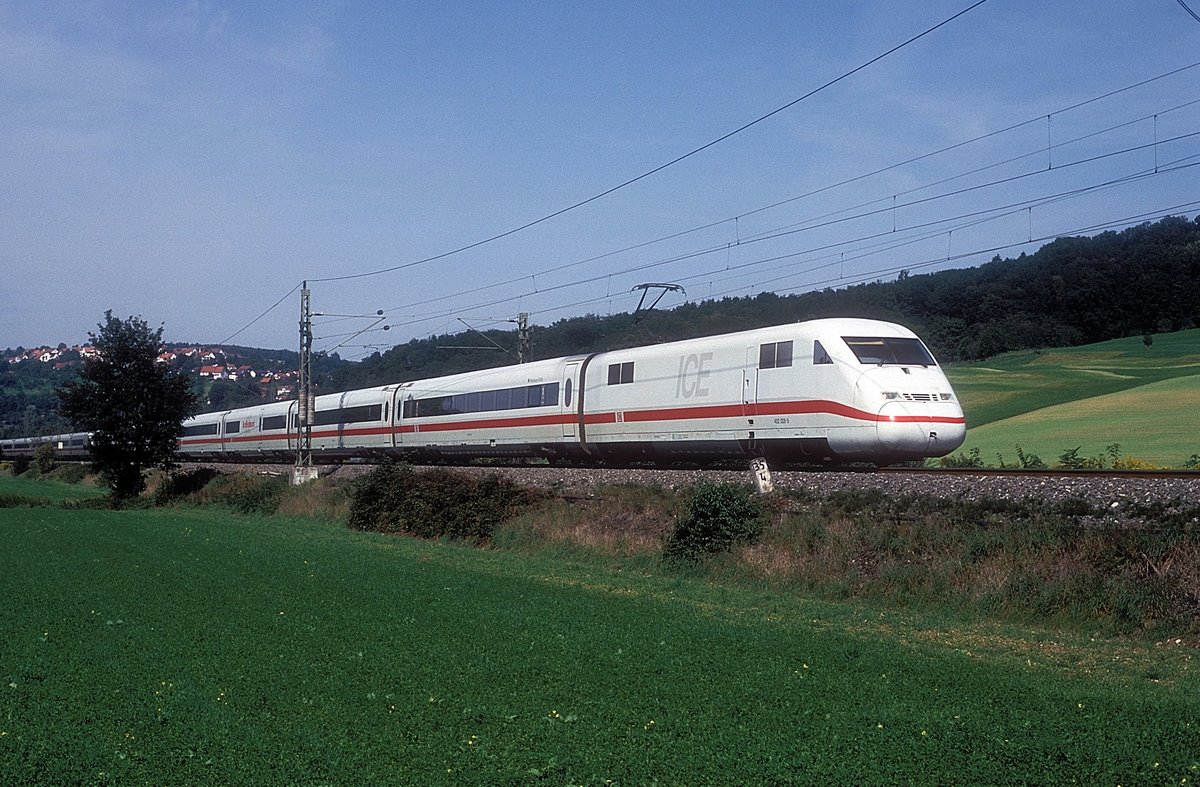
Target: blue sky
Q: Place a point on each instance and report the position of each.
(192, 162)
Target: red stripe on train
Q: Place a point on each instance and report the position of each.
(802, 407)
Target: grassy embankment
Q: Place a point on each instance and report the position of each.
(201, 646)
(1143, 398)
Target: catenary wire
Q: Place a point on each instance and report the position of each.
(659, 168)
(673, 236)
(873, 274)
(1018, 206)
(791, 231)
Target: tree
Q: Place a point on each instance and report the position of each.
(133, 406)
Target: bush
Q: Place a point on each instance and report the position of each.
(23, 501)
(972, 459)
(1029, 461)
(181, 484)
(718, 516)
(1071, 460)
(436, 503)
(43, 458)
(248, 494)
(70, 473)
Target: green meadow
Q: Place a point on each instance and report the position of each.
(1142, 398)
(45, 489)
(201, 647)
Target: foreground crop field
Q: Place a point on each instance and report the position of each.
(194, 647)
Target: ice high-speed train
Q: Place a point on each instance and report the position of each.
(827, 390)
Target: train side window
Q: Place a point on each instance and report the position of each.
(819, 354)
(385, 409)
(233, 427)
(567, 393)
(620, 373)
(775, 355)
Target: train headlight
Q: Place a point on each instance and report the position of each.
(947, 397)
(890, 395)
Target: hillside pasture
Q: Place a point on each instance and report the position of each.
(1021, 382)
(1156, 423)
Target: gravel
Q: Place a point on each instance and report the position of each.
(1107, 492)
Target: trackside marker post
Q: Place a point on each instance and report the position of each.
(763, 484)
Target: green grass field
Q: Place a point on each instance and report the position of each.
(1150, 422)
(197, 647)
(46, 490)
(1090, 397)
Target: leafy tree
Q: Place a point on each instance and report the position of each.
(133, 406)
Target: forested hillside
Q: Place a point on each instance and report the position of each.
(1076, 290)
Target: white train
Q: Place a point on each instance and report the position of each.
(819, 391)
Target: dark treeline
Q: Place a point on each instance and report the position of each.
(1072, 291)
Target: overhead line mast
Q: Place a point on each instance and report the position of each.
(305, 404)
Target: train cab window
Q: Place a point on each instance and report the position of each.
(889, 350)
(819, 354)
(775, 355)
(620, 373)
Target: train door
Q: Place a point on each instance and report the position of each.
(750, 383)
(293, 430)
(570, 399)
(227, 428)
(394, 422)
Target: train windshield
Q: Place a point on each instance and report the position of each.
(881, 350)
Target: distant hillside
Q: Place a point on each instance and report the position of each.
(1071, 291)
(1142, 397)
(225, 377)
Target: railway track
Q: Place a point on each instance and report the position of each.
(1100, 487)
(1193, 475)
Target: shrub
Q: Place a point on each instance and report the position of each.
(23, 501)
(1071, 460)
(436, 503)
(248, 494)
(971, 459)
(181, 484)
(718, 516)
(43, 458)
(70, 473)
(1029, 461)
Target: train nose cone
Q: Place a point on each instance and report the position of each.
(903, 432)
(909, 429)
